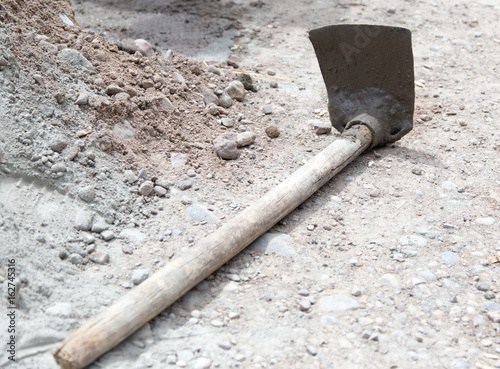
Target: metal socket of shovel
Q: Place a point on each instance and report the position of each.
(368, 72)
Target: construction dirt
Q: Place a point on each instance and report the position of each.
(130, 130)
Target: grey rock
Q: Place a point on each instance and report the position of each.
(489, 295)
(266, 109)
(75, 259)
(83, 220)
(321, 127)
(108, 235)
(87, 193)
(233, 277)
(122, 96)
(186, 200)
(305, 305)
(494, 316)
(227, 122)
(209, 97)
(225, 345)
(450, 257)
(337, 303)
(482, 286)
(281, 244)
(83, 99)
(127, 249)
(235, 90)
(146, 188)
(163, 183)
(485, 221)
(303, 292)
(225, 101)
(130, 177)
(311, 350)
(185, 185)
(356, 291)
(143, 174)
(71, 153)
(74, 59)
(133, 46)
(57, 168)
(417, 171)
(144, 47)
(139, 276)
(159, 191)
(213, 69)
(200, 213)
(247, 81)
(226, 147)
(99, 226)
(245, 138)
(124, 130)
(99, 258)
(449, 186)
(58, 145)
(113, 90)
(165, 104)
(191, 173)
(178, 159)
(202, 363)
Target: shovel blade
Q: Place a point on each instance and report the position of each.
(368, 69)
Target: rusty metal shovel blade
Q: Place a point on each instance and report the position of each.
(368, 70)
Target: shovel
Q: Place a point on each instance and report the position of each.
(368, 72)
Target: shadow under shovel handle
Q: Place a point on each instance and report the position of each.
(154, 295)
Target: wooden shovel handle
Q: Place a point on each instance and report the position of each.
(154, 295)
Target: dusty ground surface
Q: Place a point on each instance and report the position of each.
(393, 264)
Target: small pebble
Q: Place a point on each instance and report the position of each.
(272, 132)
(226, 146)
(311, 350)
(267, 110)
(87, 193)
(139, 276)
(127, 249)
(75, 259)
(159, 191)
(146, 188)
(225, 345)
(322, 128)
(186, 200)
(304, 292)
(485, 221)
(483, 286)
(304, 305)
(202, 363)
(489, 295)
(245, 138)
(83, 99)
(217, 323)
(108, 235)
(185, 185)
